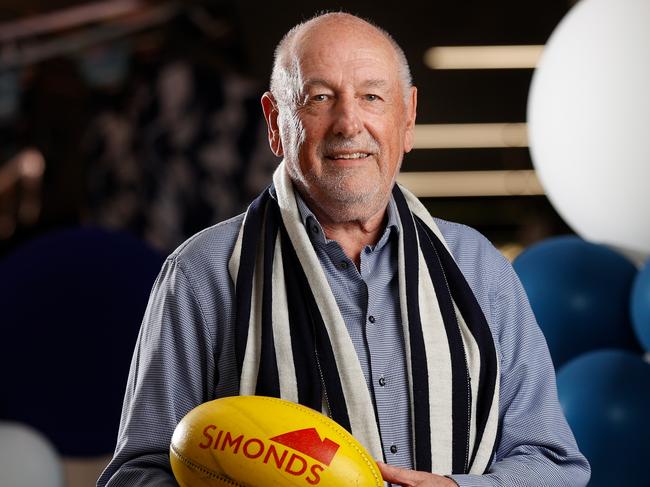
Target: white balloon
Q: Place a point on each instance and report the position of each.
(589, 121)
(27, 458)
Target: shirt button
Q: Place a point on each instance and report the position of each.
(382, 382)
(371, 319)
(343, 265)
(314, 228)
(393, 449)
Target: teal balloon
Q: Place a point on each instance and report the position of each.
(580, 294)
(605, 396)
(640, 306)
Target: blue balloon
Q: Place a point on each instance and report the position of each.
(640, 306)
(72, 302)
(580, 294)
(605, 396)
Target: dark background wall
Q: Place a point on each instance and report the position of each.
(60, 111)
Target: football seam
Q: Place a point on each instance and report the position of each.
(338, 429)
(204, 469)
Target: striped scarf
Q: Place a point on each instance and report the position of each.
(291, 340)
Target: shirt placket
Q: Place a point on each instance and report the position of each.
(385, 356)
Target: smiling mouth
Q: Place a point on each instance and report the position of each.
(350, 156)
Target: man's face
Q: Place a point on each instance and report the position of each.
(344, 139)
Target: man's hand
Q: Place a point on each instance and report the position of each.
(413, 478)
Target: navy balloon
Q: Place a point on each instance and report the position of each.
(580, 294)
(640, 306)
(605, 396)
(72, 302)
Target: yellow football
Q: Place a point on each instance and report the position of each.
(255, 441)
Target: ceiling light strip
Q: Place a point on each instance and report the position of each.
(471, 183)
(483, 57)
(470, 135)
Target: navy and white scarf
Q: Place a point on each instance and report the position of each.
(292, 342)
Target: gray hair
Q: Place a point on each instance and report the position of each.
(284, 77)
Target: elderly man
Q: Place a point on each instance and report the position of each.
(338, 290)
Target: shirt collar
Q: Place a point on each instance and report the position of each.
(317, 235)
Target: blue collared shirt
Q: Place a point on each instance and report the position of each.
(185, 355)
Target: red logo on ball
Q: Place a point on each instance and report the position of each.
(306, 441)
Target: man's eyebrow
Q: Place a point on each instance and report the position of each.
(316, 82)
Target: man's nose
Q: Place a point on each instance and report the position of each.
(347, 121)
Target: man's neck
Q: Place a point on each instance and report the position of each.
(354, 235)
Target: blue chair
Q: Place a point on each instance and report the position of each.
(71, 305)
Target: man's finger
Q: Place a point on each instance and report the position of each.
(398, 475)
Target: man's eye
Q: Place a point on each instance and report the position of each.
(319, 97)
(371, 97)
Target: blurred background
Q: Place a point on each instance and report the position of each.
(145, 116)
(126, 126)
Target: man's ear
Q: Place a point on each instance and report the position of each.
(270, 109)
(411, 111)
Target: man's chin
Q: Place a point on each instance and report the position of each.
(352, 187)
(351, 196)
(356, 205)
